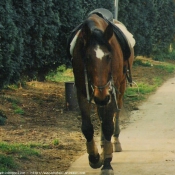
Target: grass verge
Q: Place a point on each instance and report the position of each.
(62, 74)
(16, 151)
(142, 88)
(7, 163)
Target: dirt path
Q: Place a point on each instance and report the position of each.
(148, 142)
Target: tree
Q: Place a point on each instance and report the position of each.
(43, 34)
(89, 5)
(24, 20)
(149, 21)
(139, 21)
(11, 46)
(34, 33)
(71, 14)
(164, 28)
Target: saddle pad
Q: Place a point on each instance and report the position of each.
(72, 40)
(129, 36)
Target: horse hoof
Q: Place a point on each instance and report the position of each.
(95, 162)
(116, 145)
(107, 172)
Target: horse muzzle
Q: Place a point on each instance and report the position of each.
(101, 94)
(102, 102)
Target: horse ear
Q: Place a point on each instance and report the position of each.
(108, 32)
(86, 32)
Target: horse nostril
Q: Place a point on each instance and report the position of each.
(103, 102)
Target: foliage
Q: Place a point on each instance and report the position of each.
(171, 55)
(34, 33)
(89, 5)
(62, 74)
(55, 142)
(29, 32)
(141, 89)
(71, 14)
(138, 62)
(138, 19)
(163, 29)
(153, 29)
(20, 149)
(11, 46)
(45, 35)
(61, 68)
(39, 146)
(168, 68)
(17, 109)
(7, 163)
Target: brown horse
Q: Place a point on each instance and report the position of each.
(98, 66)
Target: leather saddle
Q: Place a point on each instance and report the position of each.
(108, 17)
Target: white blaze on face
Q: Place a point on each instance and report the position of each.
(99, 53)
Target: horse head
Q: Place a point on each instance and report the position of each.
(98, 59)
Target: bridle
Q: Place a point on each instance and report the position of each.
(110, 83)
(100, 88)
(89, 83)
(112, 88)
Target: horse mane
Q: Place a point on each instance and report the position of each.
(97, 35)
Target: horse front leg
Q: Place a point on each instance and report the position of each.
(88, 131)
(107, 128)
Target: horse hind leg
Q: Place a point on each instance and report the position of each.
(116, 143)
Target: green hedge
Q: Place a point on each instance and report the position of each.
(33, 33)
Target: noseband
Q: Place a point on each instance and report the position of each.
(100, 88)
